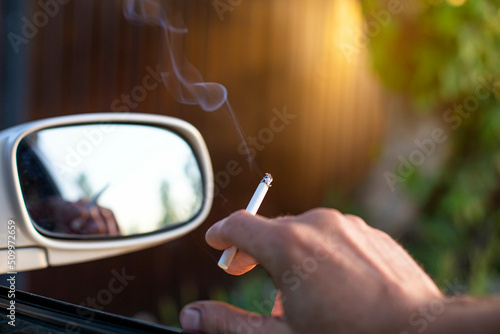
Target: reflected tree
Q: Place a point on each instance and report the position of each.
(176, 210)
(170, 214)
(192, 171)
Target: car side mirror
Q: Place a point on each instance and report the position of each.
(83, 187)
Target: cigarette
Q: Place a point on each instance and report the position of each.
(252, 207)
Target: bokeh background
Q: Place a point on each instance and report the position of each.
(366, 86)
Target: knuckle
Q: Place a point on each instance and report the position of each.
(232, 220)
(285, 219)
(229, 222)
(238, 214)
(356, 221)
(234, 223)
(383, 236)
(323, 216)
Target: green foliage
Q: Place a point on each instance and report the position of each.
(254, 292)
(434, 53)
(438, 55)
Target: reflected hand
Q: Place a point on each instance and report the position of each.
(335, 274)
(94, 219)
(75, 218)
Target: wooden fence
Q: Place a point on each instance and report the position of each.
(272, 55)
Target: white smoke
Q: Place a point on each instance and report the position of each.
(180, 77)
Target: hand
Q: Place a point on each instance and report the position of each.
(335, 274)
(74, 218)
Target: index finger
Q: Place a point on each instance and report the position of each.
(255, 235)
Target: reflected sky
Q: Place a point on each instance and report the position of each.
(130, 164)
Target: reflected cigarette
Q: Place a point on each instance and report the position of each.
(78, 222)
(95, 198)
(252, 207)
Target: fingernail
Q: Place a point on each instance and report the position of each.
(190, 319)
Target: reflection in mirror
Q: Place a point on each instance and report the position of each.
(108, 180)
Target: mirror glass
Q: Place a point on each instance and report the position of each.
(108, 180)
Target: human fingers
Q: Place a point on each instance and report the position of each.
(241, 263)
(257, 239)
(218, 237)
(95, 223)
(110, 221)
(278, 309)
(220, 318)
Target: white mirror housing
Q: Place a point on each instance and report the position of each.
(23, 247)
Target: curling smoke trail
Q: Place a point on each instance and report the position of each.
(180, 77)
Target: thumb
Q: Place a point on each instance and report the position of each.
(220, 318)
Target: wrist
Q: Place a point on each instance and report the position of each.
(462, 314)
